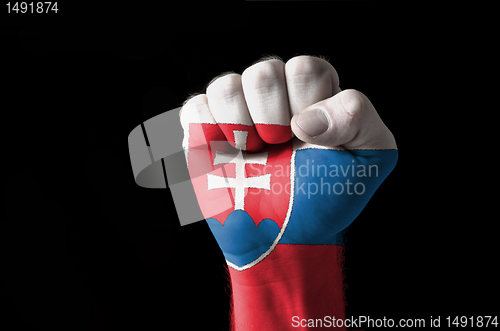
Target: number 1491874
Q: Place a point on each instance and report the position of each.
(32, 7)
(472, 321)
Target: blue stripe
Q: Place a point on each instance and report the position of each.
(331, 189)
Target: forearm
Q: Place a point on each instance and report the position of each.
(294, 280)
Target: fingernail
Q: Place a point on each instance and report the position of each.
(313, 122)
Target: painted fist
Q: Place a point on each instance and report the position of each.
(280, 155)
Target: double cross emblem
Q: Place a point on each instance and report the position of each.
(240, 181)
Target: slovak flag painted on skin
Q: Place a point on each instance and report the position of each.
(256, 196)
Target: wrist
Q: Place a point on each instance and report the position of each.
(294, 280)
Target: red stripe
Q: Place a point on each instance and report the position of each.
(294, 280)
(273, 133)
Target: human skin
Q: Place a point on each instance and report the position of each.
(296, 106)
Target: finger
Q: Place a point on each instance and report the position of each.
(203, 139)
(267, 100)
(227, 104)
(309, 80)
(196, 111)
(347, 120)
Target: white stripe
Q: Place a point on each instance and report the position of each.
(194, 112)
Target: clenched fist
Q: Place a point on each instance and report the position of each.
(282, 161)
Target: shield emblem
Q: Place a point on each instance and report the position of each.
(246, 197)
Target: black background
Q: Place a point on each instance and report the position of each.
(84, 248)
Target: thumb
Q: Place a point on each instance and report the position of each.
(348, 120)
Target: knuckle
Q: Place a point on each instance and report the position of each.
(219, 76)
(225, 87)
(195, 100)
(353, 102)
(194, 110)
(306, 67)
(263, 74)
